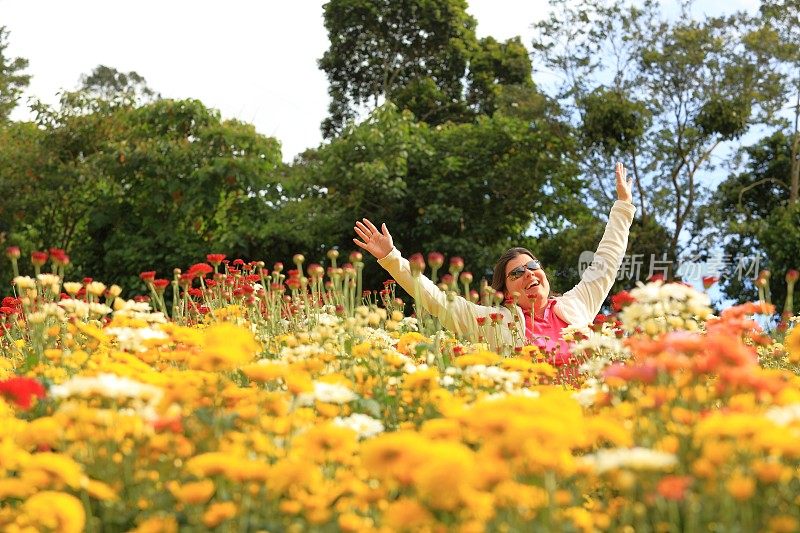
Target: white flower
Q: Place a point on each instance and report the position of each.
(632, 458)
(327, 393)
(99, 309)
(364, 425)
(134, 339)
(107, 385)
(660, 307)
(785, 415)
(76, 308)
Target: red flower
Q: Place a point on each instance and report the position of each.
(620, 300)
(388, 283)
(215, 259)
(149, 275)
(656, 277)
(13, 252)
(792, 275)
(21, 391)
(160, 284)
(239, 262)
(456, 263)
(481, 320)
(38, 258)
(199, 270)
(709, 281)
(59, 256)
(674, 487)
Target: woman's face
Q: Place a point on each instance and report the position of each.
(531, 285)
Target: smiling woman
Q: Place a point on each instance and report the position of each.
(531, 315)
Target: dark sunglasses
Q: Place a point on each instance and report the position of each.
(520, 270)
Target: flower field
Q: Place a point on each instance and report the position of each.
(241, 398)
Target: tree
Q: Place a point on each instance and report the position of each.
(107, 83)
(661, 95)
(125, 188)
(753, 215)
(471, 190)
(12, 81)
(777, 42)
(421, 55)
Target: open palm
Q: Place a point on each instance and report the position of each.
(378, 243)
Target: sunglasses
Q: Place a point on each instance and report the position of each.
(520, 270)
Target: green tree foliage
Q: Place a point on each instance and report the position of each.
(125, 188)
(661, 95)
(12, 80)
(462, 189)
(421, 55)
(751, 212)
(107, 83)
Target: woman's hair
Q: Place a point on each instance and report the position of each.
(499, 276)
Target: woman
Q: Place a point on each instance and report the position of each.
(537, 317)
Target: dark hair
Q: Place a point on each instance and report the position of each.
(499, 275)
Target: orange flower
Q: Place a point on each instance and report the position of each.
(741, 487)
(674, 487)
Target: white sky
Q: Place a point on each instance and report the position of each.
(253, 60)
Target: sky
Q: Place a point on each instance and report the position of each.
(255, 61)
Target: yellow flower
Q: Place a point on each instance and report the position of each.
(361, 350)
(265, 371)
(792, 344)
(328, 443)
(193, 493)
(62, 467)
(15, 488)
(56, 511)
(395, 455)
(482, 357)
(407, 515)
(45, 431)
(408, 342)
(783, 524)
(225, 347)
(446, 478)
(158, 524)
(218, 512)
(100, 491)
(427, 379)
(208, 464)
(741, 487)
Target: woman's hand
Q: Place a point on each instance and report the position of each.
(378, 243)
(623, 184)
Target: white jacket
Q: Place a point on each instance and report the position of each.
(578, 306)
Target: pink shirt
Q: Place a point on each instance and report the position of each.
(545, 332)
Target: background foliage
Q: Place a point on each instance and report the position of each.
(451, 140)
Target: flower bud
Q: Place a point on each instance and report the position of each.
(13, 252)
(38, 258)
(298, 259)
(792, 275)
(356, 256)
(435, 260)
(333, 253)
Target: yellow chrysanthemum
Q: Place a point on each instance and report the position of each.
(193, 493)
(55, 511)
(218, 512)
